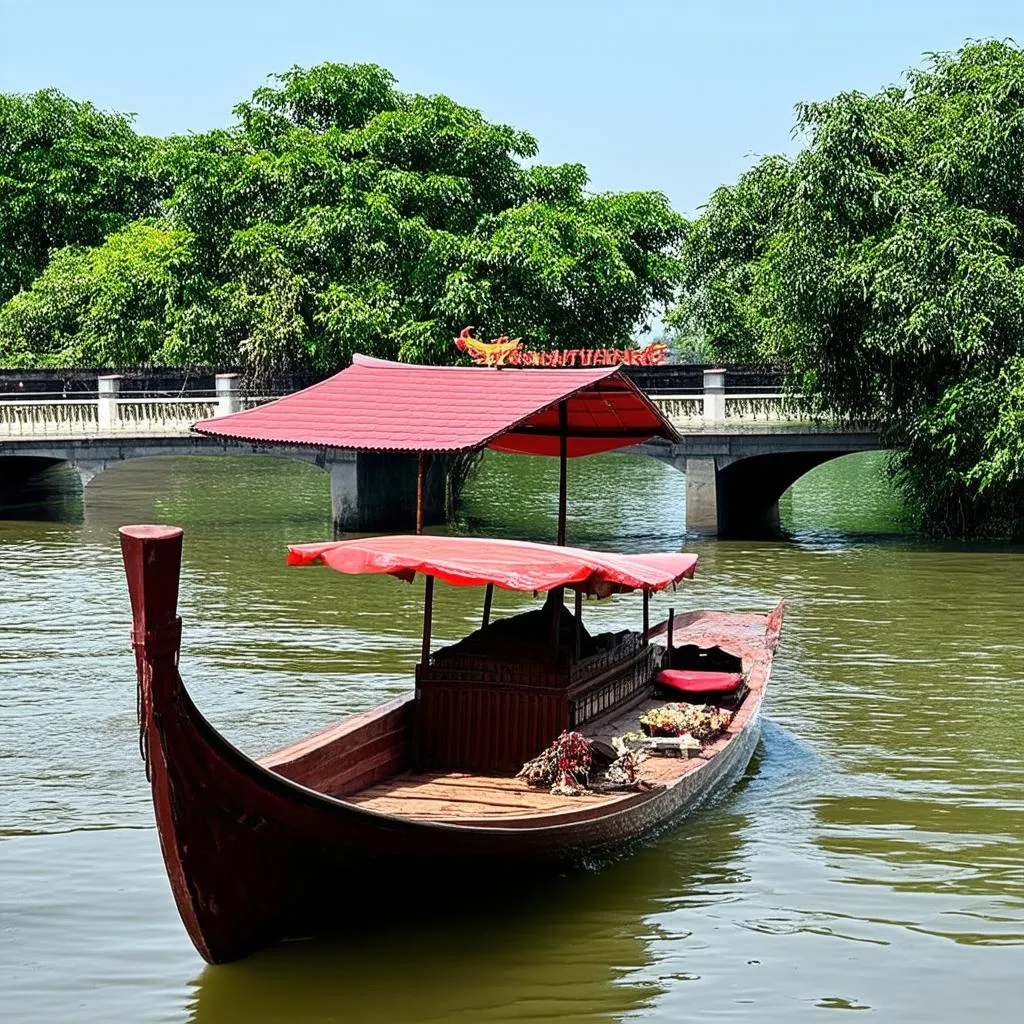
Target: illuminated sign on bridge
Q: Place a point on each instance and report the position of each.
(505, 351)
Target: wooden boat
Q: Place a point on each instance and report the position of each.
(424, 786)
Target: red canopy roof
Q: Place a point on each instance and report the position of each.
(511, 564)
(383, 406)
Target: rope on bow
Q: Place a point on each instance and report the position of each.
(151, 645)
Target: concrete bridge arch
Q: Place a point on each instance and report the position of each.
(369, 490)
(748, 490)
(89, 458)
(734, 480)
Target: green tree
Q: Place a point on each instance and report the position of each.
(69, 174)
(725, 248)
(340, 214)
(883, 264)
(117, 304)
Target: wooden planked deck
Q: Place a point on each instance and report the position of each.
(450, 796)
(455, 796)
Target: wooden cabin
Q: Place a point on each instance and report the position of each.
(498, 697)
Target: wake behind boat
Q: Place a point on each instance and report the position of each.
(259, 850)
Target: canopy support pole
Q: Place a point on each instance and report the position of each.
(647, 615)
(428, 618)
(553, 608)
(579, 622)
(420, 476)
(671, 631)
(563, 458)
(488, 596)
(556, 596)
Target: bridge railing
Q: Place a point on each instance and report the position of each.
(110, 411)
(84, 417)
(48, 418)
(716, 408)
(692, 410)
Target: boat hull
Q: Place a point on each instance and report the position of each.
(254, 856)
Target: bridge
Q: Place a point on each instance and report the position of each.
(740, 450)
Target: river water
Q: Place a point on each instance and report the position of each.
(872, 858)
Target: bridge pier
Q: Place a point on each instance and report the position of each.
(729, 496)
(701, 494)
(89, 468)
(734, 479)
(373, 492)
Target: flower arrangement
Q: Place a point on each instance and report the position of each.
(564, 766)
(625, 770)
(629, 741)
(702, 721)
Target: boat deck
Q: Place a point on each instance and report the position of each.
(454, 796)
(449, 796)
(494, 798)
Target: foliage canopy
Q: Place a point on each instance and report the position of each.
(68, 174)
(885, 265)
(337, 214)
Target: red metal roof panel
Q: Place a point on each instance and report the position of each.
(384, 406)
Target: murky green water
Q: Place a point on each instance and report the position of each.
(873, 858)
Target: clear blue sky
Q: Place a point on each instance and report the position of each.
(647, 94)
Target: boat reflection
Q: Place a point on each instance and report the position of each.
(579, 948)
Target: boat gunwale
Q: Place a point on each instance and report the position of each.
(616, 805)
(316, 797)
(540, 821)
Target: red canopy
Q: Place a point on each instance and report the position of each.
(511, 564)
(376, 405)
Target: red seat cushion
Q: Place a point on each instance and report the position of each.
(694, 681)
